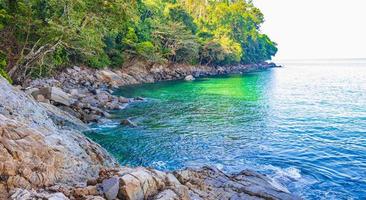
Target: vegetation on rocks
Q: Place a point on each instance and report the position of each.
(38, 37)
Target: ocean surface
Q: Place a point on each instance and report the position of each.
(304, 125)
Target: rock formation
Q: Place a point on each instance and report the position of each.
(144, 183)
(41, 145)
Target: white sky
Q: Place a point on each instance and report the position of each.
(316, 28)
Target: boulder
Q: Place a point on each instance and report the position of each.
(52, 93)
(139, 183)
(111, 187)
(110, 77)
(91, 118)
(123, 100)
(189, 78)
(59, 96)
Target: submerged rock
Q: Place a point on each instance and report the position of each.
(128, 122)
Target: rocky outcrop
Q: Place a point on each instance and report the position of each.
(26, 160)
(40, 144)
(144, 183)
(211, 183)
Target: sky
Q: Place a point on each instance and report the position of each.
(320, 29)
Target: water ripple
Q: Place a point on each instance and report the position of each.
(304, 126)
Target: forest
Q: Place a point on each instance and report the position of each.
(39, 37)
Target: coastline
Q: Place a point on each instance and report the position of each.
(87, 93)
(48, 119)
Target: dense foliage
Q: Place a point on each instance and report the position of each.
(39, 36)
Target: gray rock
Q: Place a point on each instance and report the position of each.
(20, 194)
(111, 187)
(91, 118)
(211, 182)
(167, 194)
(103, 97)
(109, 77)
(57, 196)
(123, 100)
(189, 78)
(76, 68)
(52, 93)
(74, 92)
(59, 96)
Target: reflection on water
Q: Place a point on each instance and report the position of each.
(303, 124)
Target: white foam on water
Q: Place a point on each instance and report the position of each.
(289, 173)
(282, 176)
(107, 124)
(278, 186)
(159, 164)
(219, 166)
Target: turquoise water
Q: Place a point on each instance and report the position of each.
(304, 125)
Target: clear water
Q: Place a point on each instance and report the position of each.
(304, 125)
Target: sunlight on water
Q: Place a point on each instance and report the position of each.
(304, 125)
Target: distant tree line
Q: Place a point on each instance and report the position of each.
(38, 37)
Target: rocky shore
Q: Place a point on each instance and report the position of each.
(87, 93)
(44, 154)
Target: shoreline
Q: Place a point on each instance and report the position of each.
(48, 120)
(87, 93)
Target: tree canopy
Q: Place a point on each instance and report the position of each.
(39, 36)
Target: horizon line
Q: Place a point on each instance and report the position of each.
(318, 59)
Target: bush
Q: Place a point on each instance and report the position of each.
(146, 50)
(99, 61)
(2, 70)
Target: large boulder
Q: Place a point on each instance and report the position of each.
(52, 93)
(110, 77)
(110, 188)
